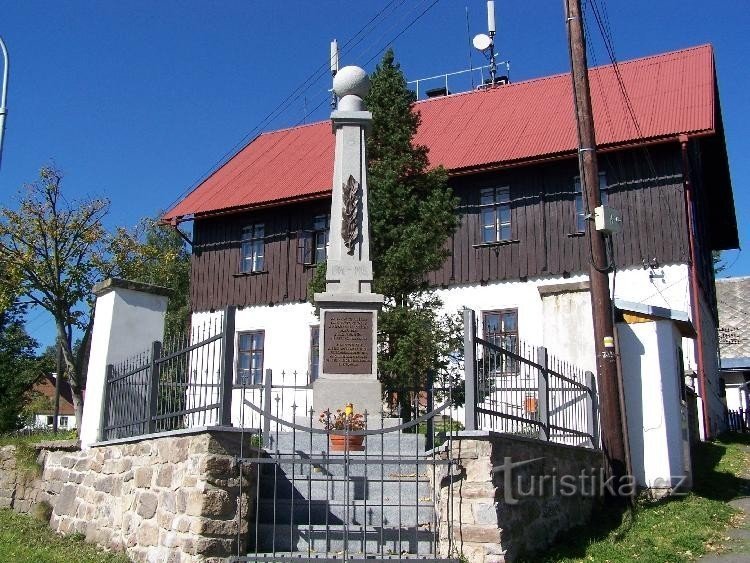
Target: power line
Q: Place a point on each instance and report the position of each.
(283, 134)
(282, 106)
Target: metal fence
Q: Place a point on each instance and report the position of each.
(739, 420)
(527, 392)
(185, 382)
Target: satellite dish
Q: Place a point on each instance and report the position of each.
(482, 42)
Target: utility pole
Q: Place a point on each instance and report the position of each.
(613, 429)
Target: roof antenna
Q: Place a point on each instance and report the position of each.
(486, 43)
(468, 36)
(334, 68)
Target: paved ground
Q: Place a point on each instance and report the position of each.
(739, 538)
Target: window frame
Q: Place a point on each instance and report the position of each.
(579, 206)
(253, 248)
(319, 234)
(238, 355)
(510, 366)
(314, 354)
(502, 229)
(62, 421)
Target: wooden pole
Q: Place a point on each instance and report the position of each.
(613, 430)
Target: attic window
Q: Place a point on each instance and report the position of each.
(253, 248)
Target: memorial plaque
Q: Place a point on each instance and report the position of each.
(347, 342)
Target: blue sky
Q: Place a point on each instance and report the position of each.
(137, 100)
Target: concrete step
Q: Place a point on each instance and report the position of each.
(337, 512)
(336, 538)
(395, 490)
(388, 442)
(374, 468)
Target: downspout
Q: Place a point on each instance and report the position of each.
(695, 304)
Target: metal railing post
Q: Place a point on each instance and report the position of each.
(267, 388)
(592, 409)
(470, 383)
(153, 388)
(430, 406)
(543, 392)
(105, 403)
(227, 368)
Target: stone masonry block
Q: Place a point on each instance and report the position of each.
(146, 505)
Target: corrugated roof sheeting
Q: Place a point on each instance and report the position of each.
(670, 94)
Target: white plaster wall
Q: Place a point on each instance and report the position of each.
(654, 408)
(40, 421)
(286, 353)
(126, 322)
(562, 322)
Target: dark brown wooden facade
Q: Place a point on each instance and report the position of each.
(645, 186)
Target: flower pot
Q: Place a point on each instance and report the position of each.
(342, 442)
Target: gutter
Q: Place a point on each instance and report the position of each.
(695, 304)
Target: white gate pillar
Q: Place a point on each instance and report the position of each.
(128, 317)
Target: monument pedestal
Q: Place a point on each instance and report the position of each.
(348, 344)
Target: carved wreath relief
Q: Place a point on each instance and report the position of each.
(349, 230)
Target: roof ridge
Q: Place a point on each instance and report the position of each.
(563, 74)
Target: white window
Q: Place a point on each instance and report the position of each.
(62, 422)
(253, 248)
(250, 357)
(494, 205)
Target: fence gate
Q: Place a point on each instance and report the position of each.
(373, 496)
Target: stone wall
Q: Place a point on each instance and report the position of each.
(175, 498)
(495, 519)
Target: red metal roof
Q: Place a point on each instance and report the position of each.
(671, 94)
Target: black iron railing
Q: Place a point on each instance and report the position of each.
(739, 420)
(527, 392)
(185, 382)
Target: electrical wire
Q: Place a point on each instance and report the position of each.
(282, 106)
(285, 133)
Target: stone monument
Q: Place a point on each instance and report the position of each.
(348, 307)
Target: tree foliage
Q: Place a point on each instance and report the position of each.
(53, 251)
(155, 253)
(18, 368)
(412, 214)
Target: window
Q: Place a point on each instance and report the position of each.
(501, 329)
(494, 205)
(63, 422)
(314, 352)
(253, 248)
(250, 357)
(321, 225)
(580, 208)
(50, 420)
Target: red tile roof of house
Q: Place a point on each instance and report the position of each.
(671, 94)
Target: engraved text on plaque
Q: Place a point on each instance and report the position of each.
(347, 346)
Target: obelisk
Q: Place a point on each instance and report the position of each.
(348, 308)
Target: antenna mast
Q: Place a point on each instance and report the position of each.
(491, 31)
(334, 69)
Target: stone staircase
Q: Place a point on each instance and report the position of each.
(375, 503)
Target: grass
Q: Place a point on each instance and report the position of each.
(672, 530)
(25, 453)
(25, 540)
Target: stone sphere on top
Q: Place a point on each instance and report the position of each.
(351, 81)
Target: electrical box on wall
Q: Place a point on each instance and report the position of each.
(607, 220)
